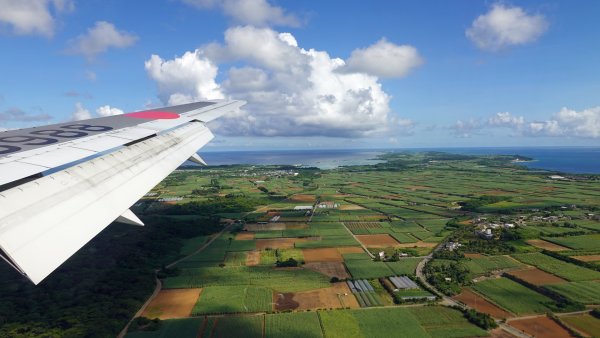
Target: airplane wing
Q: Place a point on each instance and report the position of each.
(60, 185)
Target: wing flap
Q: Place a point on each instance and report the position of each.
(44, 222)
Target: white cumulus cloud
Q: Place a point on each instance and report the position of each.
(108, 111)
(505, 26)
(291, 91)
(384, 59)
(249, 12)
(80, 113)
(32, 17)
(568, 122)
(506, 119)
(99, 39)
(565, 123)
(184, 79)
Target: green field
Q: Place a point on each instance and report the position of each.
(239, 326)
(233, 299)
(583, 242)
(398, 322)
(513, 296)
(269, 257)
(188, 327)
(283, 280)
(404, 266)
(582, 292)
(367, 269)
(557, 267)
(586, 323)
(293, 325)
(486, 264)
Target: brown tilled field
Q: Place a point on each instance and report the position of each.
(350, 249)
(265, 227)
(587, 258)
(347, 206)
(473, 255)
(244, 236)
(336, 296)
(377, 241)
(540, 327)
(480, 304)
(536, 276)
(296, 226)
(303, 198)
(253, 258)
(278, 243)
(419, 244)
(175, 303)
(322, 255)
(499, 333)
(542, 244)
(329, 269)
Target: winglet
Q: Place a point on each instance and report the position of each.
(197, 159)
(128, 217)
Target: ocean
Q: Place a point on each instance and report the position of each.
(580, 160)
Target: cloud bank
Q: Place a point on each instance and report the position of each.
(291, 91)
(565, 123)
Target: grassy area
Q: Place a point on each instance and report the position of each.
(239, 326)
(513, 296)
(582, 292)
(293, 325)
(269, 257)
(404, 266)
(584, 242)
(228, 299)
(283, 280)
(367, 269)
(483, 265)
(340, 324)
(557, 267)
(585, 323)
(188, 327)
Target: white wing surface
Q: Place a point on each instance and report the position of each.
(45, 219)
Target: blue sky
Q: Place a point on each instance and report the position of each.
(346, 75)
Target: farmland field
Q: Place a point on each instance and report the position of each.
(367, 269)
(585, 323)
(188, 327)
(582, 242)
(228, 299)
(404, 266)
(583, 292)
(536, 276)
(482, 265)
(293, 325)
(239, 326)
(513, 296)
(284, 280)
(543, 327)
(479, 303)
(557, 267)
